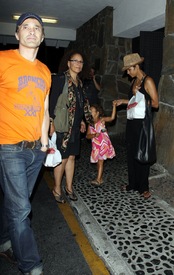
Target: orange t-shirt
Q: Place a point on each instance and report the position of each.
(24, 86)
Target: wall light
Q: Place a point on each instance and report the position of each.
(45, 20)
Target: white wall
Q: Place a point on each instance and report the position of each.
(55, 37)
(135, 15)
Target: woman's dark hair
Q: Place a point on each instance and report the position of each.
(68, 56)
(98, 109)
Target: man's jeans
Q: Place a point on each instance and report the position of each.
(19, 169)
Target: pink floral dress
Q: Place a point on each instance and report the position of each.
(101, 146)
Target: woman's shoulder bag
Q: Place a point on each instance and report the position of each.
(146, 150)
(61, 120)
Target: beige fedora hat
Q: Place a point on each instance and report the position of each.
(131, 60)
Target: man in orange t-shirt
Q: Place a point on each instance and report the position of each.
(24, 122)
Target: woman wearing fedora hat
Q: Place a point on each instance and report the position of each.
(138, 173)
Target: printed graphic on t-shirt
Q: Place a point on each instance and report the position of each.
(32, 83)
(25, 80)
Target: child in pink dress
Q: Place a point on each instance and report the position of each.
(102, 148)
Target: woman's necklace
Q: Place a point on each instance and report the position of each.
(137, 84)
(75, 81)
(139, 81)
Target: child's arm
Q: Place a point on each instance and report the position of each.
(89, 135)
(112, 117)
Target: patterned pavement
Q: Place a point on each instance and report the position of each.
(132, 235)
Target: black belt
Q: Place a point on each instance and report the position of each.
(29, 144)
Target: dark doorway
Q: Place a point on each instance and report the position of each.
(50, 56)
(150, 46)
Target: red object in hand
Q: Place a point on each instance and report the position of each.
(51, 151)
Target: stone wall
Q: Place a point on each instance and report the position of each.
(164, 119)
(95, 39)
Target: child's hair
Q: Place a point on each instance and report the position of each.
(98, 109)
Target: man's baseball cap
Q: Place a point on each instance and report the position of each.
(27, 15)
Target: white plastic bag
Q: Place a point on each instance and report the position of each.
(136, 106)
(53, 157)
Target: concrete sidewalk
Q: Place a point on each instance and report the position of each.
(132, 235)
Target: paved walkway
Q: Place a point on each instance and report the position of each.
(131, 234)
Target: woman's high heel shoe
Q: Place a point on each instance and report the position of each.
(58, 197)
(71, 195)
(146, 195)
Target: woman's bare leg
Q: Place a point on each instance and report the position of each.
(58, 174)
(69, 171)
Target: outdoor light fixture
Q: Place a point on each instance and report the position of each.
(45, 20)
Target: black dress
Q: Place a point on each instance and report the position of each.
(73, 146)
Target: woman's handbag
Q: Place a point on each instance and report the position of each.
(61, 121)
(146, 151)
(53, 157)
(136, 106)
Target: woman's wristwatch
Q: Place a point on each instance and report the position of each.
(44, 145)
(51, 120)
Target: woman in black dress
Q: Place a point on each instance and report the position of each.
(138, 173)
(69, 142)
